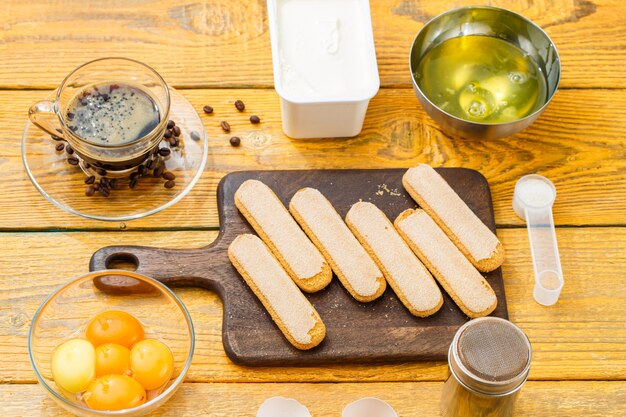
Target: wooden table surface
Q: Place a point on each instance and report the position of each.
(219, 51)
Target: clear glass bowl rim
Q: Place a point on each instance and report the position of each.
(93, 274)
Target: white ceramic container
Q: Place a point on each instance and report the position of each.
(325, 69)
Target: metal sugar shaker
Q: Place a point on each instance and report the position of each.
(489, 361)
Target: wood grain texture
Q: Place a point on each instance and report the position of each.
(584, 153)
(379, 331)
(211, 43)
(582, 337)
(537, 399)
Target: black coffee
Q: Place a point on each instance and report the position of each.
(112, 114)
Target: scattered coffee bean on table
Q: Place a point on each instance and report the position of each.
(208, 109)
(142, 170)
(72, 160)
(89, 191)
(158, 171)
(169, 184)
(150, 164)
(171, 124)
(105, 191)
(164, 152)
(239, 105)
(176, 131)
(195, 135)
(96, 186)
(101, 171)
(254, 119)
(90, 179)
(173, 141)
(225, 126)
(59, 147)
(235, 141)
(169, 176)
(69, 149)
(133, 183)
(104, 182)
(167, 134)
(55, 137)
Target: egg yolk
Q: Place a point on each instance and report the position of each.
(112, 358)
(114, 327)
(74, 365)
(114, 392)
(152, 363)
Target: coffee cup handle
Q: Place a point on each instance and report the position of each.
(42, 115)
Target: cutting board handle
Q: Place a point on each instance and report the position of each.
(172, 267)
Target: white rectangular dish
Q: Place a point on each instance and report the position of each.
(325, 69)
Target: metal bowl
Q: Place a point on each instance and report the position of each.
(487, 21)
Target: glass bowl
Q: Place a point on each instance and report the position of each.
(67, 310)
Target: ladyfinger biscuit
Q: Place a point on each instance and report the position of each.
(273, 223)
(479, 244)
(291, 311)
(455, 273)
(353, 266)
(408, 277)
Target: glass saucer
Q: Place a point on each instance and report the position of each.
(64, 184)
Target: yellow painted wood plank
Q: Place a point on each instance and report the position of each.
(226, 43)
(537, 399)
(582, 337)
(583, 152)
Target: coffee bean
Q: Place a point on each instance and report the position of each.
(59, 147)
(235, 141)
(113, 183)
(239, 105)
(55, 137)
(176, 131)
(155, 151)
(150, 164)
(142, 170)
(96, 186)
(104, 182)
(225, 126)
(105, 191)
(195, 135)
(167, 134)
(90, 179)
(158, 171)
(134, 176)
(89, 191)
(254, 119)
(176, 142)
(169, 184)
(69, 149)
(208, 109)
(101, 171)
(170, 124)
(173, 141)
(164, 152)
(133, 183)
(59, 130)
(169, 176)
(72, 160)
(87, 165)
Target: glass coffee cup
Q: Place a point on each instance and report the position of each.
(112, 111)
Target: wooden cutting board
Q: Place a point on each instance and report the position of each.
(380, 331)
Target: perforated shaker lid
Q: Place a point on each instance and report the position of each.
(490, 355)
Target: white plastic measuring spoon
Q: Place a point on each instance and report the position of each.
(533, 198)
